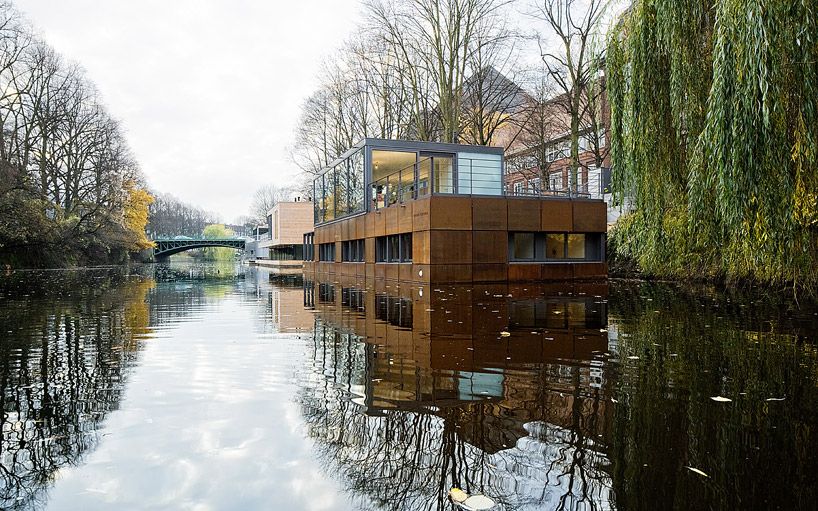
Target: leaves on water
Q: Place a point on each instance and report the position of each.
(697, 471)
(721, 399)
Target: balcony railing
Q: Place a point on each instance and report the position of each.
(594, 187)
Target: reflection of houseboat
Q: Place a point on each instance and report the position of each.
(500, 386)
(430, 212)
(427, 350)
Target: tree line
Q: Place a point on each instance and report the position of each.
(171, 217)
(456, 71)
(70, 189)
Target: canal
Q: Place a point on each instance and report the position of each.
(188, 386)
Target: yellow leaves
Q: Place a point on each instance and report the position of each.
(135, 215)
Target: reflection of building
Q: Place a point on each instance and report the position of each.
(426, 349)
(429, 212)
(427, 388)
(286, 223)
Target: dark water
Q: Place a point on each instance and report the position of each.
(204, 387)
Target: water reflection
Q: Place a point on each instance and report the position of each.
(66, 346)
(162, 387)
(502, 390)
(565, 398)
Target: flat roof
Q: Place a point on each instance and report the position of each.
(414, 145)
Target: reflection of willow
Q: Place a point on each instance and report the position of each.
(694, 345)
(62, 367)
(534, 446)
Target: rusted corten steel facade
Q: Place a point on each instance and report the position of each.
(464, 239)
(455, 237)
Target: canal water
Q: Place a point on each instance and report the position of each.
(219, 387)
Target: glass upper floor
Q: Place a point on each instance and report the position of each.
(378, 173)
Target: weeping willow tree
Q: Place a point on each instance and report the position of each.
(715, 138)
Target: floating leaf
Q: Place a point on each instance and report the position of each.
(458, 495)
(697, 471)
(505, 334)
(720, 399)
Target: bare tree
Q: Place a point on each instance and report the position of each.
(265, 198)
(572, 63)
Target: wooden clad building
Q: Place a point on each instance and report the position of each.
(430, 212)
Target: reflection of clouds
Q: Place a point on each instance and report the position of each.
(206, 423)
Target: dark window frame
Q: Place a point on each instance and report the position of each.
(394, 248)
(593, 247)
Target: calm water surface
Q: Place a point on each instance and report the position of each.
(218, 387)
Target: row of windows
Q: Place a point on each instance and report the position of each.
(326, 252)
(352, 251)
(396, 248)
(542, 246)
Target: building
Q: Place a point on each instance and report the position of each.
(281, 244)
(539, 164)
(433, 212)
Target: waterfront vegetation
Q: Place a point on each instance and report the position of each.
(70, 190)
(714, 141)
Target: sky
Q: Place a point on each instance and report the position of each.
(208, 91)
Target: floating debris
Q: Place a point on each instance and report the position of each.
(697, 471)
(775, 399)
(463, 500)
(505, 334)
(720, 399)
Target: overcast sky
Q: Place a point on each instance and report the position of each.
(208, 90)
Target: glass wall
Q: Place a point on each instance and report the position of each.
(443, 173)
(480, 174)
(398, 176)
(339, 192)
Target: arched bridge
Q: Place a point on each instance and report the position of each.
(166, 248)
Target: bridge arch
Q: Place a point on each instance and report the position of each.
(166, 248)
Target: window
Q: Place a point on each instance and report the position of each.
(523, 245)
(542, 246)
(575, 246)
(326, 252)
(396, 248)
(442, 173)
(309, 246)
(555, 246)
(352, 251)
(339, 191)
(518, 188)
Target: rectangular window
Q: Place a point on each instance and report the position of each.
(396, 248)
(443, 173)
(326, 252)
(555, 246)
(406, 247)
(523, 245)
(309, 246)
(575, 246)
(548, 246)
(352, 251)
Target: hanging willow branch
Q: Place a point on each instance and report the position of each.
(714, 138)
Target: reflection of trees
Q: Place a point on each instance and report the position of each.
(538, 443)
(62, 363)
(694, 345)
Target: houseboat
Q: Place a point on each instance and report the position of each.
(433, 212)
